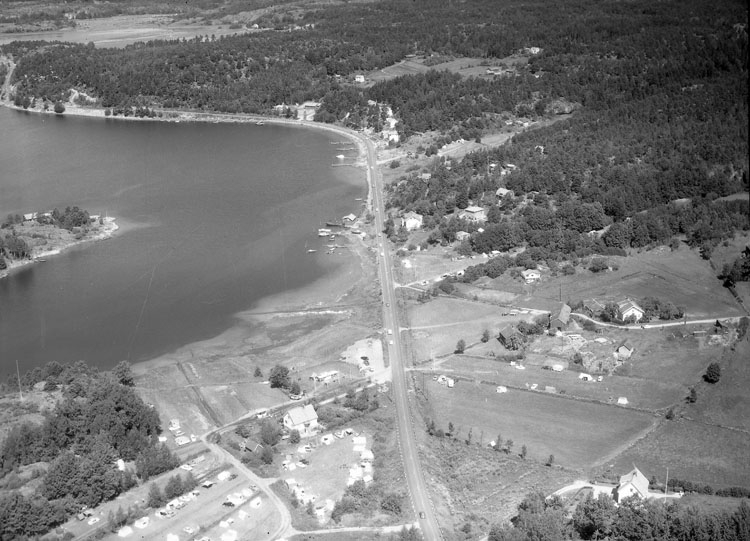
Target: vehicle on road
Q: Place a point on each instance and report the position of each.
(228, 504)
(93, 520)
(421, 515)
(390, 331)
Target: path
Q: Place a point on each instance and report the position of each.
(733, 319)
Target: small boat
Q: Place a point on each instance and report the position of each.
(323, 232)
(340, 156)
(332, 237)
(259, 123)
(335, 224)
(311, 251)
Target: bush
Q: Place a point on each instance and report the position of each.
(395, 164)
(294, 436)
(59, 107)
(713, 373)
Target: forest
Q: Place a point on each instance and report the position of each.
(97, 420)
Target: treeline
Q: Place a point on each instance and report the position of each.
(633, 520)
(97, 421)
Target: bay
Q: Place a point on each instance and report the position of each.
(213, 218)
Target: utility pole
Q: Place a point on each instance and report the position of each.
(666, 486)
(18, 373)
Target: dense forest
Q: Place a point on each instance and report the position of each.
(661, 93)
(634, 520)
(97, 420)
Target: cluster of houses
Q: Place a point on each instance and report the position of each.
(627, 309)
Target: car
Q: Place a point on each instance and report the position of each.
(387, 304)
(188, 530)
(93, 520)
(187, 467)
(390, 342)
(233, 476)
(228, 504)
(367, 363)
(421, 515)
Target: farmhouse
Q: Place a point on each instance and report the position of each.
(474, 214)
(627, 309)
(510, 337)
(560, 321)
(593, 307)
(633, 483)
(411, 221)
(302, 418)
(624, 350)
(531, 275)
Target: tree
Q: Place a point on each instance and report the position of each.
(524, 451)
(713, 373)
(550, 460)
(124, 374)
(173, 488)
(280, 377)
(693, 396)
(593, 518)
(295, 389)
(270, 433)
(460, 346)
(294, 436)
(59, 108)
(486, 336)
(155, 496)
(258, 372)
(266, 455)
(391, 503)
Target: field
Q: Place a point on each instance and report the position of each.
(466, 67)
(692, 451)
(480, 486)
(577, 433)
(681, 277)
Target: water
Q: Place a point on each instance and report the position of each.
(214, 216)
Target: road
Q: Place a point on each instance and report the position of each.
(410, 456)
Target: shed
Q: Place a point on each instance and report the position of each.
(624, 350)
(623, 401)
(502, 389)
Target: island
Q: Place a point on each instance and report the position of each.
(34, 236)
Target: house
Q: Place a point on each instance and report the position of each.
(350, 217)
(632, 484)
(303, 419)
(502, 192)
(307, 110)
(560, 321)
(510, 337)
(462, 236)
(425, 177)
(411, 221)
(629, 309)
(474, 214)
(531, 275)
(593, 307)
(359, 78)
(624, 350)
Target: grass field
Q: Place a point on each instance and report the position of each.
(681, 277)
(578, 433)
(692, 451)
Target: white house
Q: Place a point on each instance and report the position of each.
(502, 192)
(411, 221)
(462, 236)
(632, 484)
(307, 110)
(474, 214)
(531, 275)
(628, 308)
(302, 418)
(359, 78)
(624, 350)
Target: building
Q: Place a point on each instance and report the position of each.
(593, 307)
(307, 110)
(624, 350)
(359, 78)
(474, 214)
(502, 192)
(303, 419)
(632, 484)
(411, 221)
(629, 309)
(560, 320)
(510, 337)
(462, 236)
(531, 275)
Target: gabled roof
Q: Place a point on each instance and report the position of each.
(593, 305)
(564, 314)
(637, 479)
(474, 209)
(302, 414)
(508, 331)
(625, 343)
(529, 272)
(626, 305)
(412, 214)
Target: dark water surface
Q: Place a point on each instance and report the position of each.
(213, 216)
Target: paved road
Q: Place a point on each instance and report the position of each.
(410, 455)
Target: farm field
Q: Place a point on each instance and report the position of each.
(692, 451)
(681, 277)
(641, 394)
(436, 326)
(477, 485)
(577, 433)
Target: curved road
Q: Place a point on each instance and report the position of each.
(409, 453)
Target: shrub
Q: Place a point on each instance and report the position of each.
(713, 373)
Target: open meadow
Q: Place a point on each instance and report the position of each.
(577, 433)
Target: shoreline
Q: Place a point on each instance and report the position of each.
(103, 232)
